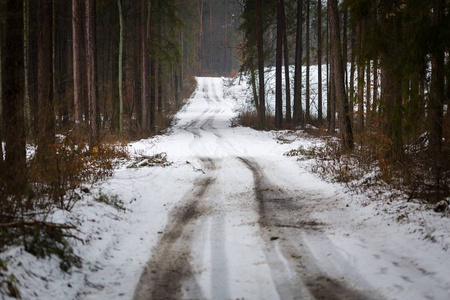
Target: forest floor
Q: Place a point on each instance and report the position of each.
(212, 211)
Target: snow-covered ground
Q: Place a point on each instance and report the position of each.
(245, 95)
(244, 98)
(232, 217)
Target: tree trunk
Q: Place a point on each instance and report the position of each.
(76, 52)
(298, 66)
(436, 111)
(225, 58)
(345, 44)
(308, 62)
(160, 92)
(210, 36)
(390, 84)
(279, 60)
(375, 86)
(254, 89)
(183, 61)
(319, 61)
(63, 61)
(327, 49)
(200, 49)
(360, 119)
(178, 70)
(418, 105)
(160, 95)
(351, 84)
(368, 103)
(360, 63)
(177, 84)
(26, 55)
(131, 74)
(119, 4)
(332, 99)
(53, 49)
(91, 66)
(152, 70)
(1, 105)
(286, 66)
(143, 63)
(46, 116)
(13, 110)
(260, 49)
(345, 125)
(436, 105)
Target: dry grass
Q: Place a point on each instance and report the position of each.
(371, 166)
(251, 119)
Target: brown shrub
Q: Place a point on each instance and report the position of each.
(251, 119)
(67, 169)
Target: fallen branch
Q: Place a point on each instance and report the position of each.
(195, 169)
(74, 237)
(34, 223)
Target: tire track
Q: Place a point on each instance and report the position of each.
(206, 94)
(294, 269)
(170, 264)
(209, 126)
(192, 126)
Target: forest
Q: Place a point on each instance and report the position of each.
(82, 80)
(387, 80)
(77, 78)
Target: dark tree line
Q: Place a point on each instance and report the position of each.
(395, 91)
(97, 70)
(219, 21)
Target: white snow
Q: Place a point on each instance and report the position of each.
(359, 241)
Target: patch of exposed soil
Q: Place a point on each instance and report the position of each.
(170, 264)
(284, 220)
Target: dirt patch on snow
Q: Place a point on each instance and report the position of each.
(170, 264)
(284, 220)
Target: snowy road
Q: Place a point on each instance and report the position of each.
(254, 225)
(231, 217)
